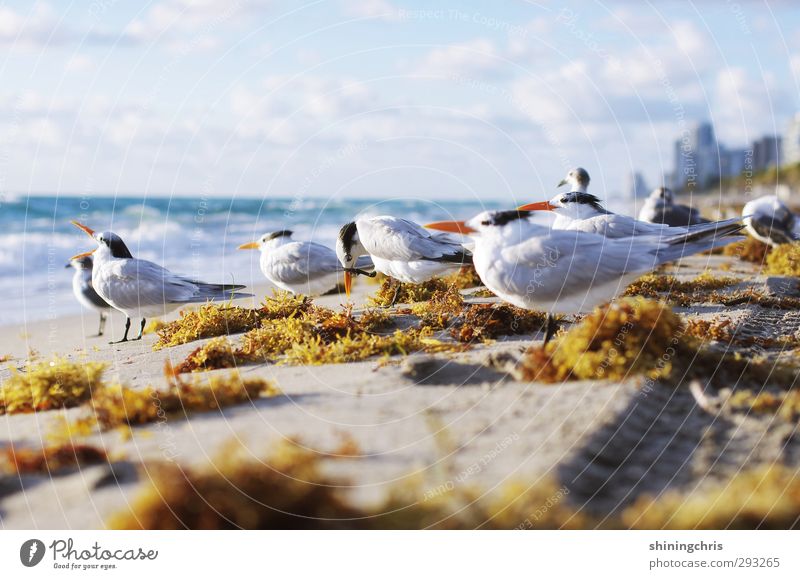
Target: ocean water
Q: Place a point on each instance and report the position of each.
(196, 237)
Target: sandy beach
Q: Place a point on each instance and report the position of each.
(607, 442)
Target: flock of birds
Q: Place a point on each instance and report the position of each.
(586, 257)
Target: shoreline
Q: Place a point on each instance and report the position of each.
(396, 419)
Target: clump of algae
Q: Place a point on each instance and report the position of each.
(473, 322)
(762, 498)
(629, 336)
(208, 321)
(375, 320)
(517, 504)
(409, 293)
(465, 277)
(726, 331)
(357, 347)
(287, 490)
(749, 249)
(440, 309)
(700, 289)
(212, 320)
(784, 404)
(154, 326)
(291, 489)
(314, 336)
(118, 405)
(488, 321)
(47, 459)
(784, 260)
(49, 384)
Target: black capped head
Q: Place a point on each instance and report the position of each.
(500, 218)
(347, 244)
(114, 244)
(580, 198)
(348, 235)
(277, 234)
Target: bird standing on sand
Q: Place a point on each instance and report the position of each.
(769, 220)
(566, 271)
(301, 267)
(140, 288)
(84, 292)
(660, 207)
(579, 210)
(399, 248)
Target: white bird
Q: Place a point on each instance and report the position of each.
(579, 210)
(566, 271)
(84, 292)
(399, 248)
(769, 220)
(301, 267)
(140, 288)
(660, 207)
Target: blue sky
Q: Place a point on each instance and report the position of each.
(383, 98)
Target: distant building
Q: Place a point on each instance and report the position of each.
(697, 158)
(766, 153)
(700, 161)
(636, 187)
(732, 162)
(791, 141)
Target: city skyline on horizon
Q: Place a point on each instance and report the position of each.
(381, 98)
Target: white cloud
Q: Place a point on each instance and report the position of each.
(191, 25)
(745, 107)
(35, 28)
(477, 58)
(794, 66)
(378, 9)
(286, 108)
(79, 63)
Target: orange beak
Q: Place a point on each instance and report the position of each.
(251, 245)
(348, 283)
(90, 233)
(451, 227)
(82, 227)
(540, 206)
(84, 254)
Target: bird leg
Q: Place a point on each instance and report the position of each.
(141, 330)
(102, 324)
(398, 285)
(550, 329)
(127, 328)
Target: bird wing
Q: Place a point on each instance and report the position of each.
(88, 292)
(393, 238)
(297, 262)
(133, 283)
(625, 226)
(567, 262)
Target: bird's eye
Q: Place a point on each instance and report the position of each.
(486, 222)
(564, 200)
(348, 257)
